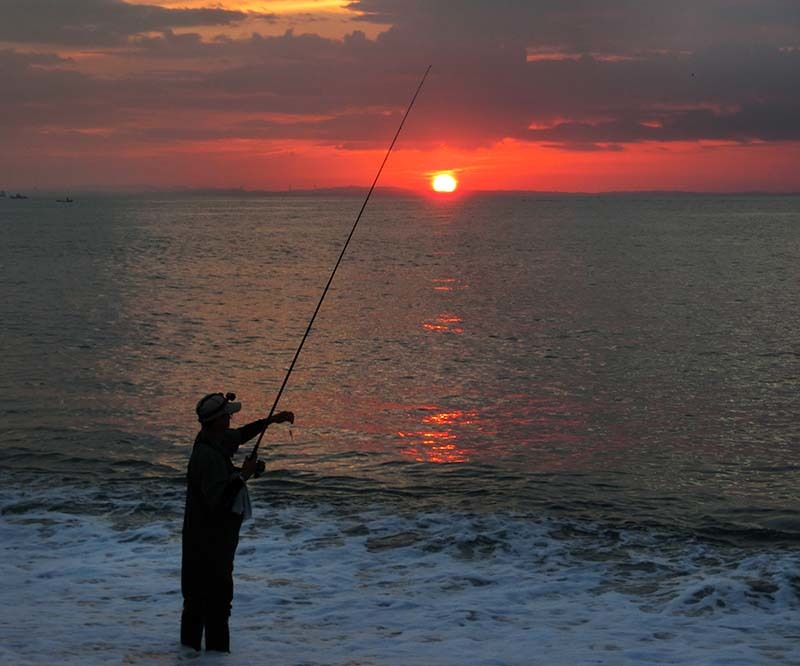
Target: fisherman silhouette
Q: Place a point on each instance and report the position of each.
(216, 504)
(216, 496)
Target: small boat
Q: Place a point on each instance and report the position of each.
(65, 200)
(17, 196)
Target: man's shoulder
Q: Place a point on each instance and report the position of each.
(205, 451)
(232, 439)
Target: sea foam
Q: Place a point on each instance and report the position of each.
(318, 585)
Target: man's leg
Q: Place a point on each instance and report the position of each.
(220, 591)
(218, 638)
(191, 626)
(193, 604)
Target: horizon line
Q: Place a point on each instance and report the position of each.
(34, 192)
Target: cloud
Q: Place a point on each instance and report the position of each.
(618, 72)
(759, 122)
(39, 92)
(99, 22)
(590, 26)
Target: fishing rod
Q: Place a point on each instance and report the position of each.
(254, 452)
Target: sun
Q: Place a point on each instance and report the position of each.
(444, 182)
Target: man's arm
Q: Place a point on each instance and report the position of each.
(250, 430)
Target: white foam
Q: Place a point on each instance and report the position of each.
(315, 586)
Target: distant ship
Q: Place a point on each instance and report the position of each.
(65, 200)
(17, 196)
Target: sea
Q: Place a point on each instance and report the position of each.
(530, 428)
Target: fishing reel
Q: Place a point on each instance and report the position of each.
(229, 397)
(261, 466)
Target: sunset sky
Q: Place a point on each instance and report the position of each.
(571, 95)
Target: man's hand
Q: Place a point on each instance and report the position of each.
(249, 467)
(283, 417)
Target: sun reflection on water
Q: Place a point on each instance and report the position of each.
(436, 441)
(444, 323)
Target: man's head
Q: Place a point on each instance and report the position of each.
(214, 410)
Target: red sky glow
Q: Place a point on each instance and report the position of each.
(697, 95)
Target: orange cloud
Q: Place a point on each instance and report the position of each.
(266, 6)
(327, 18)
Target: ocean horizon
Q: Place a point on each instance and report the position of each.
(143, 190)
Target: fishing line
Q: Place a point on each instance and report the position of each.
(338, 261)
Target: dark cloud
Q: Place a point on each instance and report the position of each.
(761, 122)
(98, 22)
(37, 92)
(591, 26)
(11, 60)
